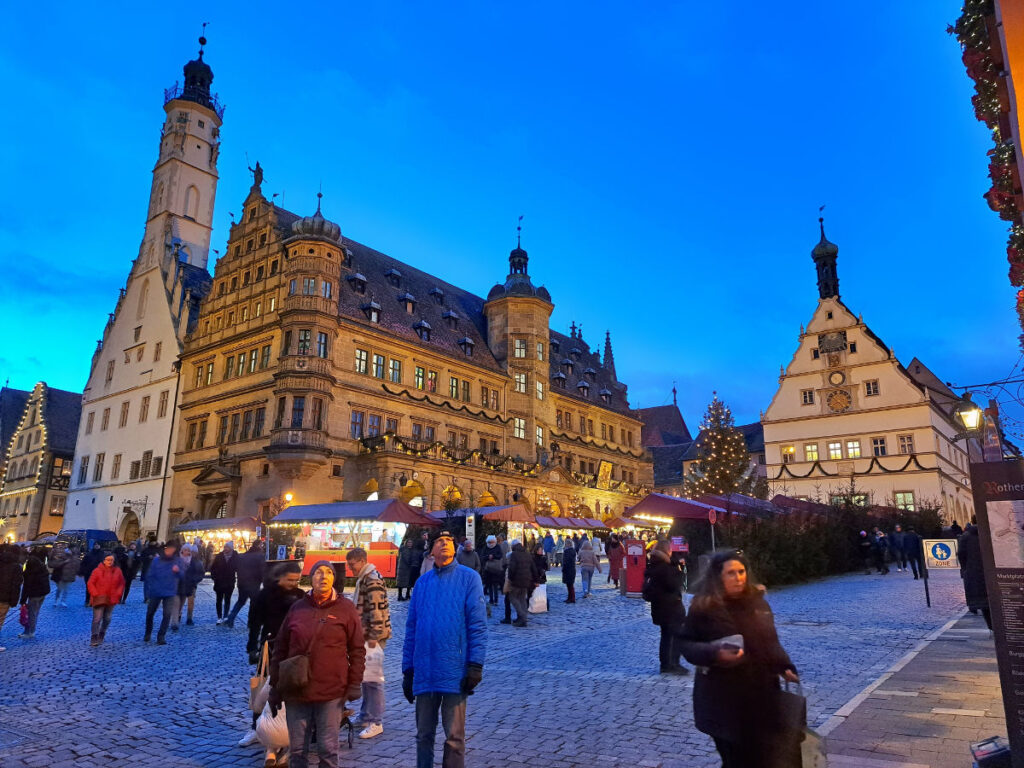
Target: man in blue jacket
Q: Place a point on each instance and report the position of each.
(162, 579)
(443, 655)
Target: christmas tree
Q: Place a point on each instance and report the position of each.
(723, 463)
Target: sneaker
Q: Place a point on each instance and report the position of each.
(373, 729)
(94, 642)
(519, 623)
(249, 739)
(506, 621)
(147, 638)
(189, 623)
(2, 649)
(161, 641)
(220, 621)
(26, 636)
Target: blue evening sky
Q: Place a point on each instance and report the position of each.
(669, 159)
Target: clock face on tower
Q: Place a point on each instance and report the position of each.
(836, 378)
(838, 400)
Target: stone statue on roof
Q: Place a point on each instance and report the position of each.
(257, 174)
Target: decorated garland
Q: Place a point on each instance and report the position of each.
(874, 463)
(456, 456)
(444, 404)
(973, 30)
(595, 444)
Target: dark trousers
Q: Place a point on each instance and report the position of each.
(170, 606)
(572, 593)
(127, 587)
(987, 615)
(508, 609)
(766, 751)
(668, 647)
(244, 595)
(493, 589)
(519, 602)
(452, 707)
(224, 602)
(302, 717)
(101, 620)
(912, 560)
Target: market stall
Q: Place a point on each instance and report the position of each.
(517, 516)
(312, 532)
(630, 524)
(241, 531)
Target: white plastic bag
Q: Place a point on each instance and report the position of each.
(272, 731)
(374, 671)
(539, 599)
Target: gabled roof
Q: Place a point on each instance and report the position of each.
(939, 393)
(63, 411)
(663, 425)
(668, 463)
(588, 359)
(12, 406)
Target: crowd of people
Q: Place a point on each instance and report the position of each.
(320, 654)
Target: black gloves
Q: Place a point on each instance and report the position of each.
(407, 686)
(274, 702)
(474, 674)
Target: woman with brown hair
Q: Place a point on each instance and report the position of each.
(730, 636)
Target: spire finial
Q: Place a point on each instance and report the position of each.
(319, 197)
(519, 233)
(674, 401)
(202, 39)
(572, 330)
(821, 221)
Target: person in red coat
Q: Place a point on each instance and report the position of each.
(325, 628)
(106, 585)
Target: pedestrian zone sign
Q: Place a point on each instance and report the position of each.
(940, 553)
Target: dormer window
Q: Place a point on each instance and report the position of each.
(567, 364)
(559, 380)
(372, 311)
(394, 277)
(451, 318)
(358, 283)
(437, 295)
(591, 373)
(583, 387)
(467, 345)
(606, 395)
(408, 301)
(422, 329)
(554, 347)
(575, 353)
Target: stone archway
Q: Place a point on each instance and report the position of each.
(130, 529)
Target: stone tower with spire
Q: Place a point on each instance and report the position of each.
(122, 454)
(825, 255)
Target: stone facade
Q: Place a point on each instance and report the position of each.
(321, 370)
(130, 398)
(847, 410)
(33, 491)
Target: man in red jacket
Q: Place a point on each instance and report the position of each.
(326, 629)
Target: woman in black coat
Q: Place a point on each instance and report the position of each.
(493, 572)
(569, 570)
(736, 694)
(409, 561)
(223, 571)
(34, 588)
(663, 588)
(971, 571)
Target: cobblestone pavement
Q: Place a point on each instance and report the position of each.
(578, 687)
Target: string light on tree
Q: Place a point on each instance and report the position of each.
(723, 463)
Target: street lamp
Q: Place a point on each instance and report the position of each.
(288, 497)
(969, 417)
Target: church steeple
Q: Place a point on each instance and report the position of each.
(825, 255)
(609, 359)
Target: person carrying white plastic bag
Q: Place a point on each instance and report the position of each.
(272, 733)
(539, 599)
(371, 600)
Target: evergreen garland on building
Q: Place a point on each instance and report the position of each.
(723, 464)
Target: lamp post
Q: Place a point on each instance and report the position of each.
(997, 485)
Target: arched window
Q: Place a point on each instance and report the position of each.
(192, 202)
(143, 298)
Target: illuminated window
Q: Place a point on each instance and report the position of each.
(810, 451)
(788, 454)
(518, 428)
(853, 449)
(519, 348)
(835, 450)
(904, 500)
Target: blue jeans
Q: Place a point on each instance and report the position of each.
(587, 575)
(327, 717)
(170, 605)
(34, 604)
(453, 720)
(372, 708)
(62, 591)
